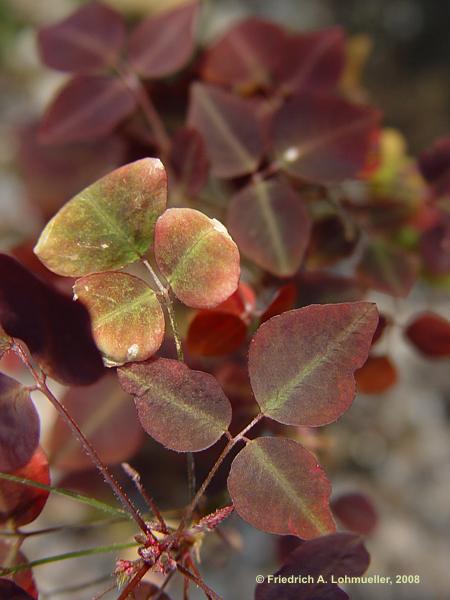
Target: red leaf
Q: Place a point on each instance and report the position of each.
(230, 128)
(11, 591)
(213, 333)
(241, 303)
(19, 425)
(430, 334)
(376, 376)
(88, 40)
(283, 300)
(356, 512)
(163, 44)
(320, 287)
(321, 138)
(86, 108)
(22, 503)
(10, 557)
(383, 322)
(189, 161)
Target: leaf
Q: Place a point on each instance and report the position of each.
(246, 56)
(320, 287)
(21, 504)
(162, 44)
(271, 226)
(56, 330)
(330, 242)
(108, 225)
(283, 300)
(86, 108)
(88, 40)
(241, 303)
(231, 130)
(214, 333)
(189, 161)
(10, 557)
(19, 425)
(435, 248)
(376, 376)
(435, 165)
(11, 591)
(197, 257)
(280, 474)
(339, 554)
(430, 335)
(105, 414)
(322, 139)
(387, 269)
(301, 363)
(356, 512)
(127, 318)
(182, 409)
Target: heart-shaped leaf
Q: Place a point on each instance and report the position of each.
(127, 318)
(185, 410)
(301, 363)
(280, 474)
(197, 256)
(19, 425)
(109, 224)
(90, 39)
(271, 225)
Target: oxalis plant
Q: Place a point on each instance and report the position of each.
(240, 339)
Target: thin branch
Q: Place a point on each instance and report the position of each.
(136, 479)
(209, 593)
(134, 582)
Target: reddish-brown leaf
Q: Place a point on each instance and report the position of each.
(20, 503)
(435, 165)
(271, 226)
(356, 512)
(435, 248)
(163, 44)
(301, 363)
(189, 161)
(183, 409)
(376, 376)
(213, 333)
(230, 127)
(320, 287)
(86, 108)
(280, 474)
(108, 419)
(383, 323)
(330, 242)
(11, 591)
(19, 425)
(88, 40)
(10, 557)
(283, 300)
(430, 334)
(321, 138)
(241, 303)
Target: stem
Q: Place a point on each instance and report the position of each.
(209, 593)
(164, 585)
(134, 582)
(87, 446)
(136, 479)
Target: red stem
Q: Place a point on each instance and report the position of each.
(134, 582)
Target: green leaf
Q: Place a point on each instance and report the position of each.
(109, 224)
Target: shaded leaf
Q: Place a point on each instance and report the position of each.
(90, 39)
(320, 287)
(163, 44)
(189, 161)
(105, 414)
(280, 474)
(330, 243)
(197, 257)
(283, 300)
(214, 333)
(430, 334)
(11, 591)
(10, 557)
(127, 318)
(383, 322)
(19, 425)
(230, 128)
(376, 376)
(339, 554)
(21, 504)
(321, 138)
(86, 108)
(56, 330)
(271, 226)
(182, 409)
(241, 303)
(109, 224)
(435, 248)
(356, 512)
(435, 165)
(301, 363)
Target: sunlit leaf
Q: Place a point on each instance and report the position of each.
(189, 161)
(105, 414)
(163, 44)
(283, 300)
(90, 39)
(213, 333)
(86, 108)
(21, 504)
(376, 376)
(270, 224)
(356, 512)
(322, 138)
(230, 128)
(301, 363)
(127, 318)
(11, 591)
(19, 425)
(197, 256)
(430, 334)
(339, 555)
(183, 409)
(109, 224)
(280, 474)
(56, 330)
